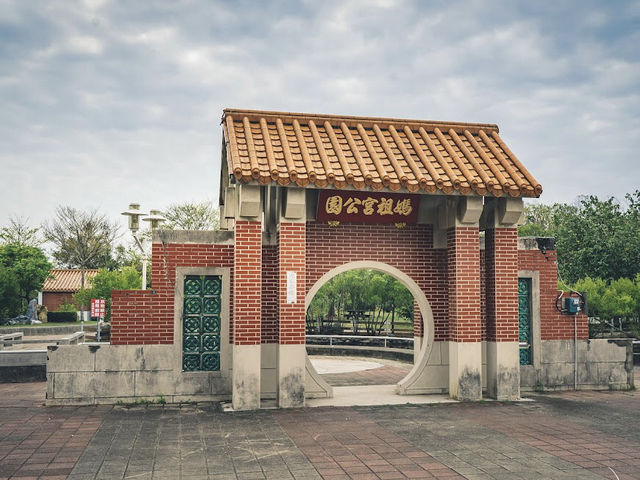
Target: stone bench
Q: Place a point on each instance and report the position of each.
(7, 339)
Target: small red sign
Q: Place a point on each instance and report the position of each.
(98, 307)
(367, 207)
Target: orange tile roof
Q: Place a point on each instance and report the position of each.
(363, 152)
(67, 280)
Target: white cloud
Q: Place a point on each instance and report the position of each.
(109, 102)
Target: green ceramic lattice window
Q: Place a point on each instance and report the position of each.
(524, 320)
(201, 323)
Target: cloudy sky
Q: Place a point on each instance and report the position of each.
(107, 102)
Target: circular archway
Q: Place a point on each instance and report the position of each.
(418, 295)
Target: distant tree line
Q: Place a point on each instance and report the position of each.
(361, 301)
(82, 240)
(598, 247)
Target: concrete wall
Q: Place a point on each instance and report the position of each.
(92, 374)
(22, 366)
(602, 364)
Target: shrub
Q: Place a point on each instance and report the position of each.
(68, 307)
(59, 317)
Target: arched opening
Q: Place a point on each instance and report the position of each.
(360, 329)
(316, 384)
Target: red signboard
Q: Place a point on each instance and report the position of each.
(367, 207)
(98, 307)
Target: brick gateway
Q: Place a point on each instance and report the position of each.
(304, 197)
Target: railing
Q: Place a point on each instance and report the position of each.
(636, 355)
(386, 340)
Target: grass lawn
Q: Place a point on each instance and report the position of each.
(49, 324)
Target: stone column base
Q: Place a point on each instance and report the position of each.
(291, 372)
(503, 370)
(465, 371)
(245, 393)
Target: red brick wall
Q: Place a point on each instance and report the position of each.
(53, 300)
(501, 274)
(269, 332)
(248, 283)
(147, 316)
(409, 249)
(463, 253)
(553, 325)
(291, 242)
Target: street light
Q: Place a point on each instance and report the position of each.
(156, 220)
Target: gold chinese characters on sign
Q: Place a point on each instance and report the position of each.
(367, 207)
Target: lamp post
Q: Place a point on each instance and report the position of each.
(156, 219)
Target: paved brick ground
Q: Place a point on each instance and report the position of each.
(391, 372)
(572, 435)
(39, 442)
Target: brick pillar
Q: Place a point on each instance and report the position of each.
(503, 355)
(465, 348)
(291, 319)
(246, 315)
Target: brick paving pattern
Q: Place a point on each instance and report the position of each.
(343, 443)
(38, 442)
(391, 372)
(191, 442)
(571, 435)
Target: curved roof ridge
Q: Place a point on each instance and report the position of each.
(255, 115)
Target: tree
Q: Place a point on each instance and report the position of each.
(23, 271)
(595, 238)
(611, 301)
(82, 239)
(10, 301)
(539, 220)
(125, 278)
(598, 238)
(192, 216)
(20, 233)
(373, 297)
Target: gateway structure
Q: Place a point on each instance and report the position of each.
(306, 197)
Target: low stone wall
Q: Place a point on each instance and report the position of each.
(102, 373)
(46, 329)
(602, 364)
(92, 374)
(403, 355)
(23, 366)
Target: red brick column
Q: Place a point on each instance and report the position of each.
(501, 263)
(247, 311)
(501, 271)
(248, 281)
(463, 254)
(291, 328)
(291, 318)
(465, 350)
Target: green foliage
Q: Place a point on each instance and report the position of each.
(379, 296)
(594, 238)
(68, 307)
(126, 278)
(539, 220)
(613, 300)
(10, 302)
(23, 270)
(192, 216)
